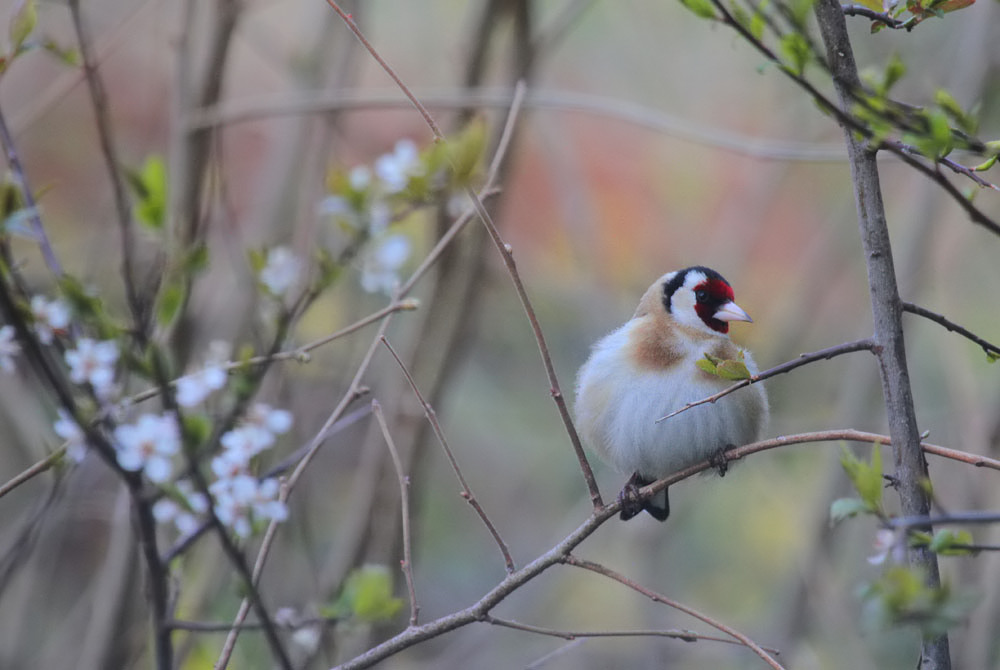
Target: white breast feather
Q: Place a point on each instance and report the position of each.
(618, 405)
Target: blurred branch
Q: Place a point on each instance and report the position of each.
(866, 344)
(656, 597)
(950, 325)
(953, 519)
(404, 497)
(99, 99)
(38, 468)
(684, 635)
(245, 110)
(34, 217)
(878, 17)
(439, 433)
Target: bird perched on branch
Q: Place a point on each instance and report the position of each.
(650, 367)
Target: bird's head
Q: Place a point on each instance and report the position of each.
(700, 297)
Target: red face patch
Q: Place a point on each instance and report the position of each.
(709, 296)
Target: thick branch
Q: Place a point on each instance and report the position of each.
(911, 467)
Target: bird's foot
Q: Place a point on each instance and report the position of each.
(720, 460)
(629, 498)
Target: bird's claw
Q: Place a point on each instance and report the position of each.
(629, 498)
(720, 460)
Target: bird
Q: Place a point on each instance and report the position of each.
(647, 368)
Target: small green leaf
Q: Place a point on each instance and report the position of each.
(846, 508)
(707, 365)
(894, 71)
(951, 543)
(170, 301)
(795, 52)
(466, 150)
(367, 595)
(866, 477)
(703, 8)
(992, 356)
(197, 428)
(22, 23)
(150, 186)
(733, 370)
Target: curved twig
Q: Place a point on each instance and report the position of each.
(866, 344)
(653, 595)
(952, 326)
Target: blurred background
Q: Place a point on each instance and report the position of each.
(650, 140)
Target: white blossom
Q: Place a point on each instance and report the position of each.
(93, 363)
(395, 169)
(9, 348)
(360, 177)
(148, 445)
(51, 316)
(194, 388)
(277, 421)
(68, 429)
(888, 546)
(380, 268)
(282, 271)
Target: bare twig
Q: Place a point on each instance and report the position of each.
(656, 597)
(439, 433)
(404, 497)
(803, 359)
(38, 468)
(112, 164)
(21, 180)
(953, 519)
(878, 17)
(684, 635)
(950, 325)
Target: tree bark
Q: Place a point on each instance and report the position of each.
(911, 467)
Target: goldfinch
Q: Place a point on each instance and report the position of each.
(647, 369)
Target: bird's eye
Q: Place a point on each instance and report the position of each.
(701, 295)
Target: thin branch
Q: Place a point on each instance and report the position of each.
(508, 261)
(38, 468)
(866, 344)
(225, 627)
(878, 17)
(349, 20)
(439, 433)
(954, 519)
(112, 164)
(951, 325)
(683, 635)
(34, 217)
(250, 109)
(404, 498)
(657, 597)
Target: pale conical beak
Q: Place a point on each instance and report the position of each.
(731, 312)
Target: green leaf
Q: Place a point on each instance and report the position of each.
(951, 543)
(894, 71)
(846, 508)
(866, 477)
(707, 365)
(795, 52)
(703, 8)
(150, 186)
(733, 370)
(197, 428)
(367, 595)
(950, 106)
(986, 165)
(170, 301)
(466, 150)
(992, 356)
(22, 23)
